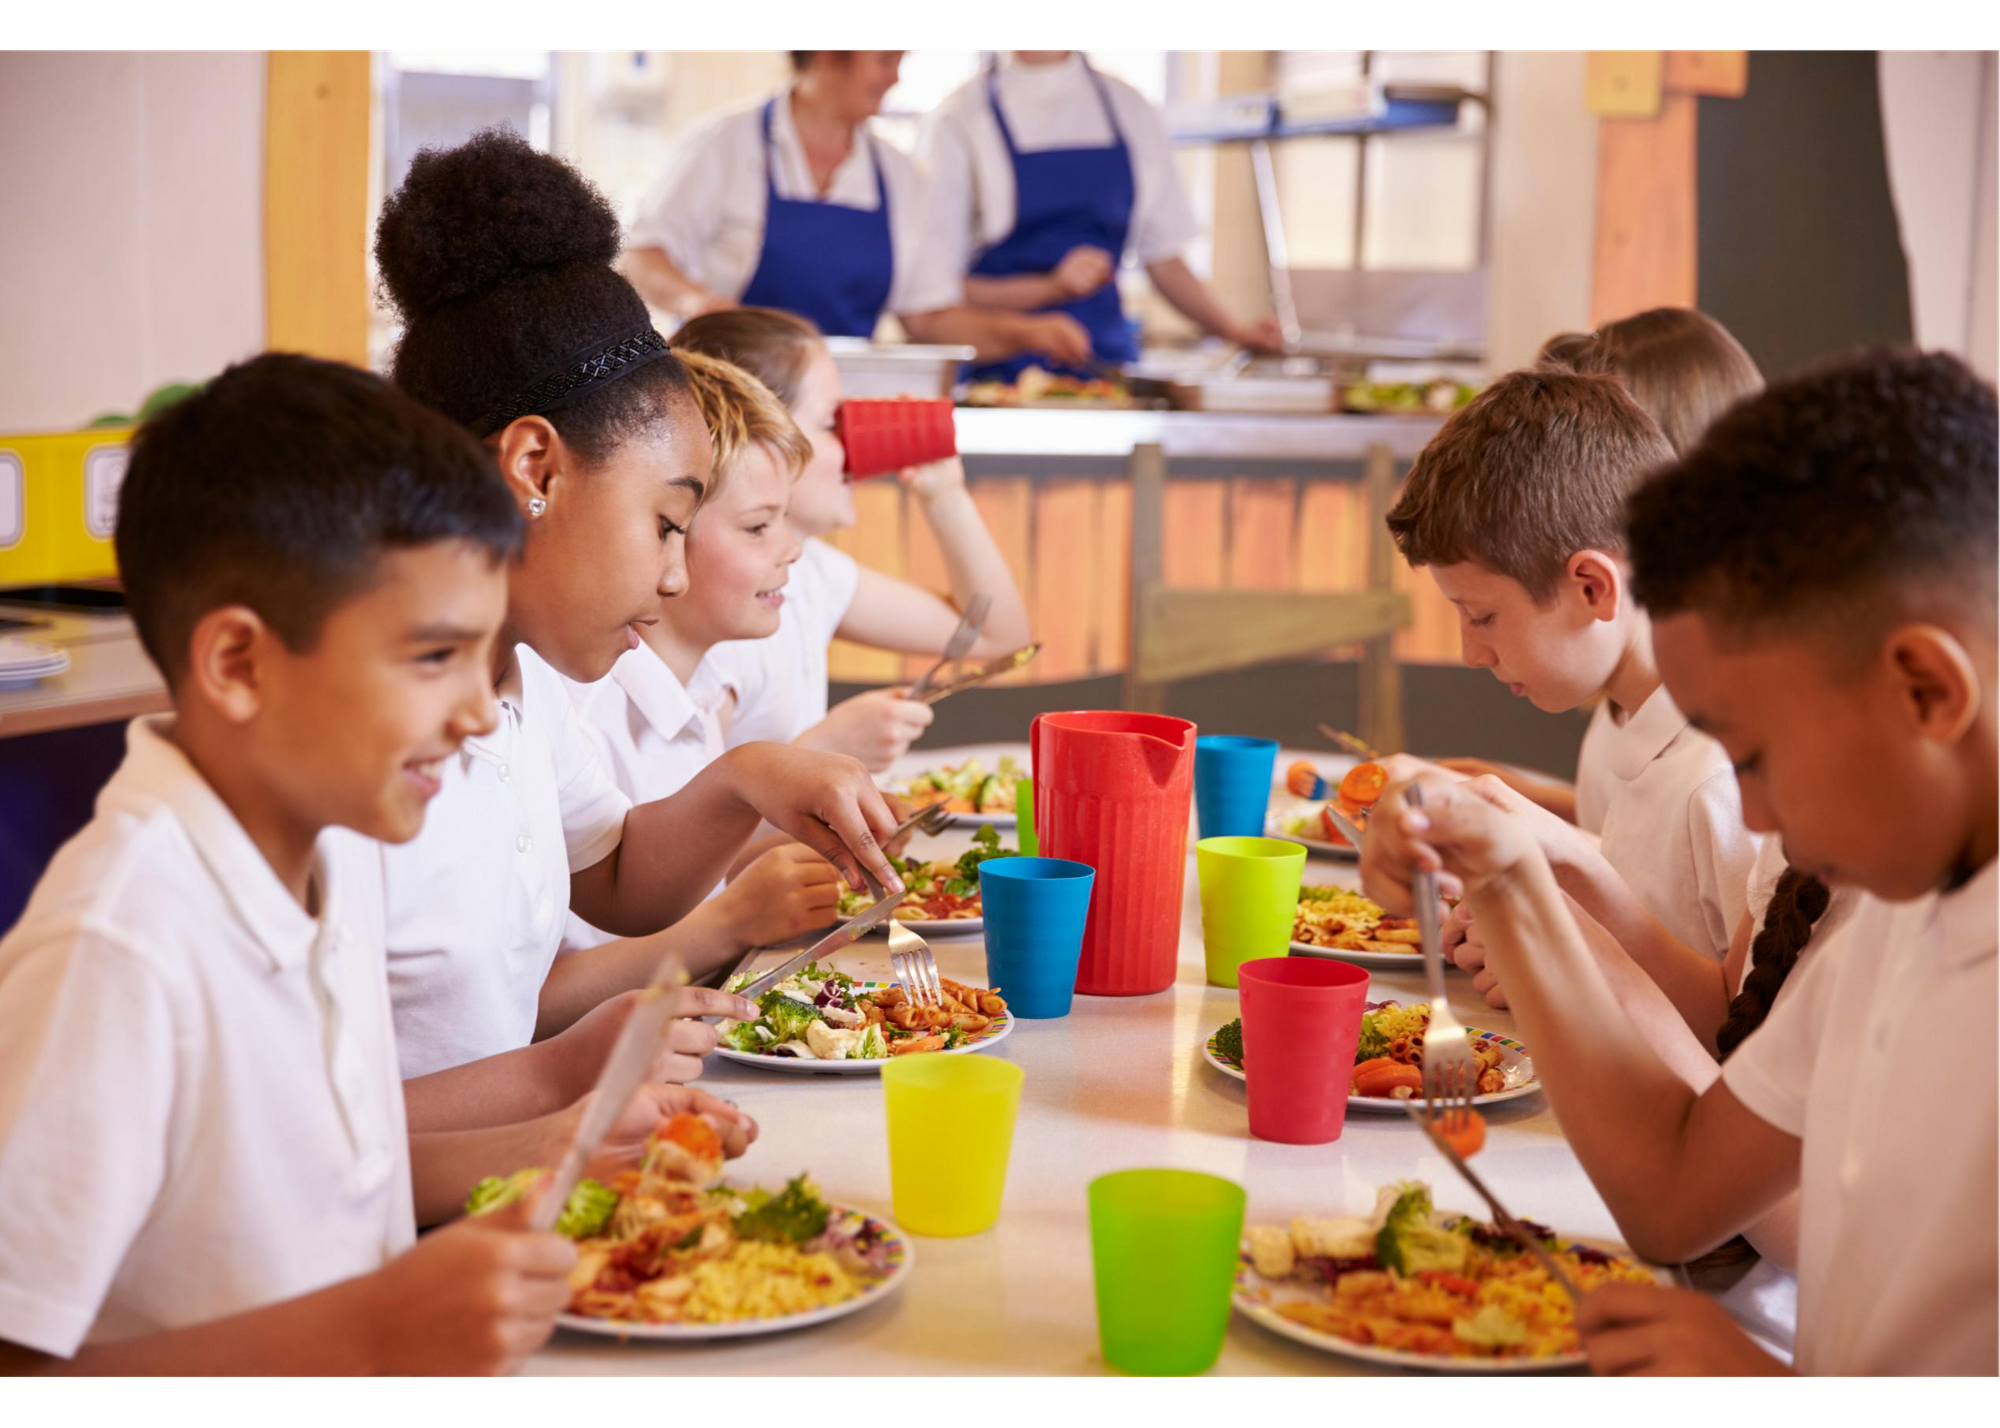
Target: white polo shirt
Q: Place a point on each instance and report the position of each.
(1052, 106)
(478, 900)
(783, 680)
(1881, 1058)
(653, 733)
(707, 210)
(1663, 798)
(200, 1111)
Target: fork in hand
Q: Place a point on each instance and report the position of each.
(961, 642)
(911, 963)
(1451, 1074)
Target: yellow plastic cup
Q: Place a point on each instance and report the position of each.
(1249, 901)
(951, 1127)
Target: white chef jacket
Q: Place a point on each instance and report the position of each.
(200, 1111)
(477, 902)
(1048, 107)
(1881, 1058)
(707, 210)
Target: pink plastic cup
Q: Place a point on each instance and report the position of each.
(1301, 1023)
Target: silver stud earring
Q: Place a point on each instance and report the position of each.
(536, 505)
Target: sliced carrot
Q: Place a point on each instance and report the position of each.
(694, 1135)
(1464, 1132)
(1381, 1080)
(1331, 829)
(1363, 784)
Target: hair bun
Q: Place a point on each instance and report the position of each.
(473, 218)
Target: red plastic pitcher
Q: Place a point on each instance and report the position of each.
(1112, 790)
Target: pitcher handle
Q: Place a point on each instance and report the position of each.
(1035, 767)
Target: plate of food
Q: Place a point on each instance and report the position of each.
(669, 1251)
(1388, 1059)
(1039, 387)
(972, 793)
(1411, 1286)
(820, 1021)
(1345, 926)
(943, 898)
(1304, 808)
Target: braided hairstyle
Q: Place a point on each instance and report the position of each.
(1797, 902)
(498, 260)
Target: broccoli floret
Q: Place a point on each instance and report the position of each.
(788, 1018)
(588, 1211)
(496, 1191)
(1229, 1042)
(743, 1037)
(1411, 1241)
(794, 1216)
(1372, 1043)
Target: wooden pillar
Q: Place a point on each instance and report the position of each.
(1149, 500)
(1381, 678)
(316, 203)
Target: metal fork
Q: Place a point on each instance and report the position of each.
(1451, 1074)
(1348, 742)
(962, 639)
(1428, 1120)
(911, 963)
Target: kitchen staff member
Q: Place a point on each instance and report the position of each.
(792, 203)
(1043, 173)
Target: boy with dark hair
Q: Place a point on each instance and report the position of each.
(203, 1151)
(1821, 576)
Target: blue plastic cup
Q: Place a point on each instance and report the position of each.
(1232, 784)
(1035, 910)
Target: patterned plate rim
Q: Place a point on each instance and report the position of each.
(1529, 1087)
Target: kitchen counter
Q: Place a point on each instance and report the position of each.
(1190, 436)
(109, 678)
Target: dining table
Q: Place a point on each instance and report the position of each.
(1120, 1083)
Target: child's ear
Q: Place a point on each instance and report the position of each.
(1940, 685)
(1599, 581)
(226, 654)
(528, 451)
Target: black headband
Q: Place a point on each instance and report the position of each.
(588, 370)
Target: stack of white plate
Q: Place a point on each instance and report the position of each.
(22, 661)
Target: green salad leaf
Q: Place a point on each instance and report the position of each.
(587, 1211)
(793, 1216)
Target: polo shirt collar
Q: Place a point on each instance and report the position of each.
(1644, 736)
(157, 771)
(655, 691)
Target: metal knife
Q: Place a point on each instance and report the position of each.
(991, 670)
(962, 639)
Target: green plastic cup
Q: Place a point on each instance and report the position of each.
(1024, 817)
(1249, 901)
(951, 1128)
(1163, 1244)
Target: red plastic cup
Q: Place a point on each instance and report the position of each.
(1112, 790)
(884, 434)
(1301, 1023)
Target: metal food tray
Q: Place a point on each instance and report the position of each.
(1278, 396)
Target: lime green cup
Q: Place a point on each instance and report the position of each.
(1163, 1244)
(951, 1127)
(1249, 901)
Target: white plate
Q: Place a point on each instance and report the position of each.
(1319, 846)
(740, 1328)
(1377, 961)
(1257, 1298)
(1003, 1026)
(1515, 1063)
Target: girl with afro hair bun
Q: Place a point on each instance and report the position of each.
(498, 260)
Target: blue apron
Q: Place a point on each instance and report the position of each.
(1062, 198)
(825, 261)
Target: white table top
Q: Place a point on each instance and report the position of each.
(1118, 1084)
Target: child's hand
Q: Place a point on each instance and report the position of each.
(788, 890)
(1456, 834)
(934, 478)
(651, 1105)
(826, 801)
(877, 727)
(477, 1297)
(1469, 953)
(1634, 1329)
(582, 1047)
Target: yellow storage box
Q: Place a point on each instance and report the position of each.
(58, 504)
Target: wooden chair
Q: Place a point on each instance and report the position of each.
(1177, 634)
